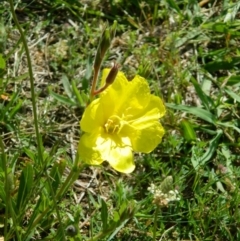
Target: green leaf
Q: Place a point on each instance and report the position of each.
(206, 100)
(173, 5)
(184, 39)
(232, 94)
(2, 195)
(85, 97)
(77, 94)
(117, 229)
(229, 125)
(213, 144)
(67, 86)
(8, 107)
(232, 81)
(188, 131)
(196, 111)
(2, 62)
(225, 28)
(232, 12)
(104, 214)
(219, 27)
(62, 99)
(222, 65)
(42, 203)
(229, 158)
(15, 109)
(212, 147)
(56, 174)
(116, 217)
(26, 182)
(19, 78)
(30, 153)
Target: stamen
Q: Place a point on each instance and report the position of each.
(113, 125)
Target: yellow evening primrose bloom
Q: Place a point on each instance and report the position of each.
(125, 118)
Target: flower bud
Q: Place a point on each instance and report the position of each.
(104, 44)
(112, 74)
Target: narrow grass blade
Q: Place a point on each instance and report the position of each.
(229, 125)
(15, 109)
(56, 174)
(104, 214)
(206, 100)
(2, 196)
(222, 65)
(67, 86)
(43, 202)
(26, 182)
(188, 131)
(213, 144)
(62, 99)
(8, 107)
(118, 229)
(233, 80)
(2, 62)
(212, 147)
(77, 94)
(196, 111)
(232, 94)
(173, 5)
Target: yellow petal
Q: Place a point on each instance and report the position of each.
(93, 117)
(87, 149)
(98, 147)
(121, 159)
(146, 132)
(153, 111)
(123, 95)
(146, 139)
(110, 97)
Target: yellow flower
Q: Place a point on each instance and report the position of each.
(125, 118)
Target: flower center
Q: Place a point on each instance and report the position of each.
(113, 125)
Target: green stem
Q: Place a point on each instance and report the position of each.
(155, 223)
(96, 92)
(101, 235)
(94, 82)
(39, 140)
(56, 208)
(73, 175)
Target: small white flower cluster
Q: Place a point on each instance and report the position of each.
(161, 198)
